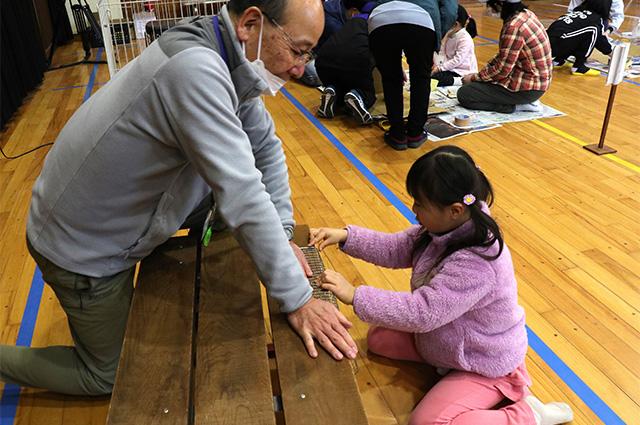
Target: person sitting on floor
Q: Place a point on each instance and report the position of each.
(459, 55)
(520, 73)
(577, 33)
(344, 65)
(462, 315)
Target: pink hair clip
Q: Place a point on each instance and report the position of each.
(469, 199)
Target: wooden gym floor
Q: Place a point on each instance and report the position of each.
(571, 219)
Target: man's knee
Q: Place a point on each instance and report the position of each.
(97, 385)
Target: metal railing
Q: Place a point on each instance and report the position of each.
(129, 26)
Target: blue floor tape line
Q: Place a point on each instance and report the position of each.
(92, 78)
(592, 401)
(11, 393)
(384, 190)
(576, 384)
(488, 39)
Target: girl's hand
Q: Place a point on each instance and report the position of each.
(337, 284)
(434, 69)
(328, 236)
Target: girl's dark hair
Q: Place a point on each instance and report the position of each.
(463, 17)
(445, 176)
(601, 7)
(275, 9)
(508, 9)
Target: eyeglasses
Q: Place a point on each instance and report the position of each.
(303, 57)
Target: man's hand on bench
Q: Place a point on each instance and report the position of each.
(321, 320)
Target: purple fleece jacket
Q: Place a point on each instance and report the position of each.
(464, 315)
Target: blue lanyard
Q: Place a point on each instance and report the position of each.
(223, 51)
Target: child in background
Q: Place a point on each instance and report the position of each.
(462, 314)
(577, 33)
(457, 47)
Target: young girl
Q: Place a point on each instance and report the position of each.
(457, 47)
(462, 314)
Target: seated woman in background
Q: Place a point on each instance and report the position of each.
(520, 73)
(457, 48)
(577, 33)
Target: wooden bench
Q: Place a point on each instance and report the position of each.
(196, 349)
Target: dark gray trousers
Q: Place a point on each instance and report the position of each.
(97, 310)
(494, 97)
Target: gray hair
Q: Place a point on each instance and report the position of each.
(275, 9)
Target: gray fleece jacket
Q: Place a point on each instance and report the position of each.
(173, 125)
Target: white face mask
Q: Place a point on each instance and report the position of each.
(274, 83)
(492, 13)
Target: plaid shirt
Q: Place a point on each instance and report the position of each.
(524, 59)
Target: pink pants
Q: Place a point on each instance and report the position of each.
(459, 398)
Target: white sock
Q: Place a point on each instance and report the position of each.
(530, 107)
(551, 413)
(457, 81)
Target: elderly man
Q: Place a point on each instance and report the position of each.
(181, 123)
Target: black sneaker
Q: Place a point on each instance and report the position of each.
(325, 110)
(396, 144)
(416, 142)
(354, 102)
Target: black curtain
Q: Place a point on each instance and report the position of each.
(22, 56)
(60, 20)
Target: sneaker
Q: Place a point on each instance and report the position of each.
(416, 142)
(354, 102)
(325, 110)
(396, 144)
(529, 107)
